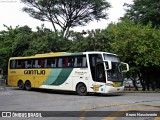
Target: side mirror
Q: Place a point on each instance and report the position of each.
(125, 67)
(108, 65)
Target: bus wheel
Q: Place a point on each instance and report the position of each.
(21, 85)
(81, 89)
(28, 85)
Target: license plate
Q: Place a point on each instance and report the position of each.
(116, 84)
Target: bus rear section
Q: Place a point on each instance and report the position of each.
(56, 71)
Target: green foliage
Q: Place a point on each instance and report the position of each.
(144, 11)
(139, 46)
(94, 40)
(6, 46)
(22, 41)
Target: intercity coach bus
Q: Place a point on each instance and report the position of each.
(83, 72)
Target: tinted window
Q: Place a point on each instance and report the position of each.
(12, 64)
(80, 61)
(66, 62)
(60, 62)
(50, 62)
(28, 63)
(38, 63)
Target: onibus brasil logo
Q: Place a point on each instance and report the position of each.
(21, 114)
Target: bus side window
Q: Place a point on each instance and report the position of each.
(50, 63)
(45, 63)
(12, 64)
(36, 64)
(28, 64)
(22, 64)
(65, 62)
(18, 64)
(42, 62)
(80, 61)
(84, 62)
(61, 62)
(70, 62)
(75, 62)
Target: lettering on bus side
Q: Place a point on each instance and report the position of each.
(34, 72)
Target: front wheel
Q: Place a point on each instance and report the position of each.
(81, 89)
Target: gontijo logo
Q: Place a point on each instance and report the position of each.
(34, 72)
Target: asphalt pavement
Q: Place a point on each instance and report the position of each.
(40, 104)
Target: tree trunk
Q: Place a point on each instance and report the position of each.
(134, 82)
(141, 81)
(147, 80)
(55, 30)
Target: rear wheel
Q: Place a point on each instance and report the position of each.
(81, 89)
(21, 85)
(28, 85)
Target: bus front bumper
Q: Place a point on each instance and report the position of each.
(110, 89)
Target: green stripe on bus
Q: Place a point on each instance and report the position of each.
(58, 76)
(52, 76)
(62, 77)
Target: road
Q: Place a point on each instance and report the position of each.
(90, 107)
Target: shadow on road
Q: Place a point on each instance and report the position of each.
(61, 92)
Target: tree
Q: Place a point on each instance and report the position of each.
(46, 41)
(13, 42)
(22, 41)
(67, 13)
(94, 40)
(144, 11)
(139, 46)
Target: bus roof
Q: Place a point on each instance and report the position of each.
(96, 52)
(54, 54)
(47, 55)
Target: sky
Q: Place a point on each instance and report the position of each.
(11, 15)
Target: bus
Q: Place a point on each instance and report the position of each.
(82, 72)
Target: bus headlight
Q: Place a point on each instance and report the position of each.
(109, 83)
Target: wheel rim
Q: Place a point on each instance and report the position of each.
(28, 85)
(20, 85)
(82, 89)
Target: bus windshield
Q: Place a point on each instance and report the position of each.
(115, 73)
(112, 58)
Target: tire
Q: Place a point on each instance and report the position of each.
(21, 85)
(28, 85)
(81, 89)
